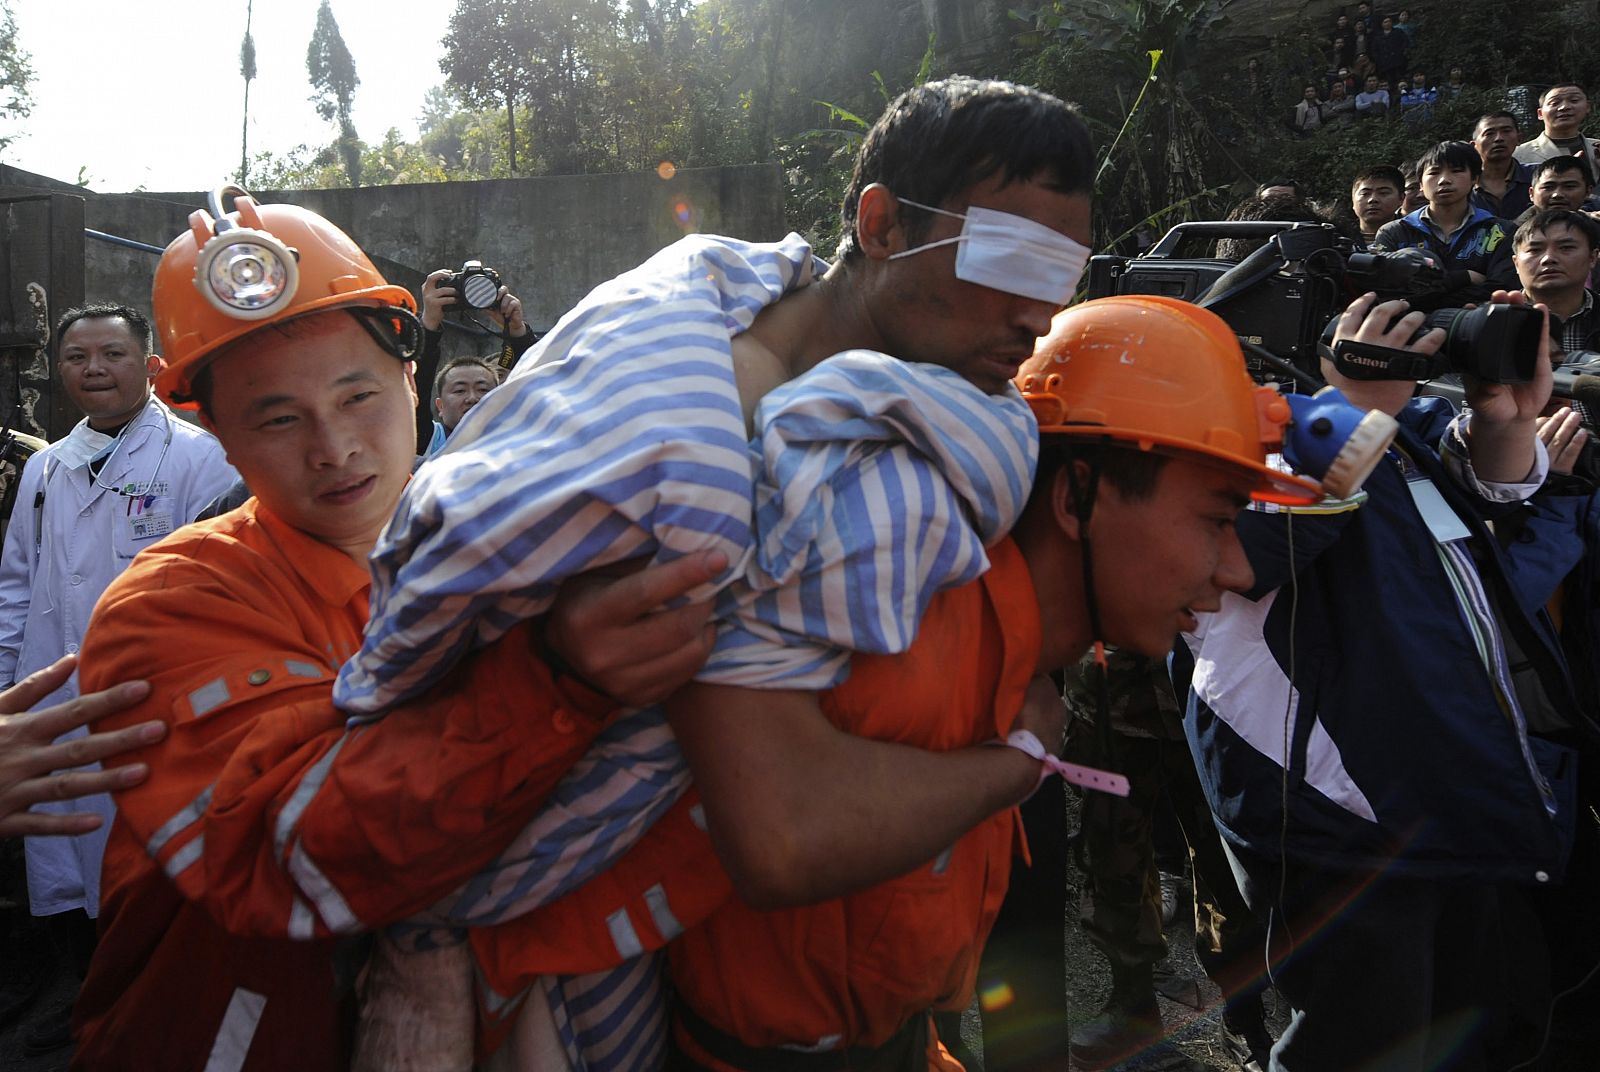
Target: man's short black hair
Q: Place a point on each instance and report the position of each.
(1560, 85)
(1452, 154)
(460, 362)
(1489, 116)
(939, 139)
(1541, 222)
(1557, 165)
(1380, 173)
(1292, 184)
(1278, 207)
(137, 322)
(1131, 471)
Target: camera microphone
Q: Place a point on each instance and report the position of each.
(1578, 385)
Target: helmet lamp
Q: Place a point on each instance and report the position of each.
(247, 274)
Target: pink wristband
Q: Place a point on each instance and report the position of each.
(1029, 745)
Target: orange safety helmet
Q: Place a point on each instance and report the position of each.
(1159, 374)
(229, 275)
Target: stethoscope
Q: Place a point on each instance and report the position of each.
(130, 490)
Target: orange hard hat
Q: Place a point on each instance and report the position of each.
(229, 275)
(1156, 373)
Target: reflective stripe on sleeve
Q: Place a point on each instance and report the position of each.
(328, 902)
(237, 1031)
(180, 861)
(623, 936)
(186, 817)
(300, 799)
(661, 913)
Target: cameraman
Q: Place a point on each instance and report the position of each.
(1381, 728)
(437, 298)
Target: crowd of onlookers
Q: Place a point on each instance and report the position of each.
(1365, 71)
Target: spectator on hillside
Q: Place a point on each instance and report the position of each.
(1407, 27)
(1417, 101)
(1391, 52)
(1373, 101)
(1504, 187)
(1363, 68)
(1375, 198)
(1562, 110)
(1363, 21)
(1256, 83)
(1344, 50)
(1472, 245)
(1454, 87)
(1308, 113)
(1339, 109)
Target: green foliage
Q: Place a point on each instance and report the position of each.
(16, 76)
(1137, 70)
(247, 57)
(333, 76)
(1500, 44)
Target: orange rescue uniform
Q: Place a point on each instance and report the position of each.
(853, 971)
(850, 972)
(265, 819)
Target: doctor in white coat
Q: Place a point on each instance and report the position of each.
(129, 473)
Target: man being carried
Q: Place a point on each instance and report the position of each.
(862, 907)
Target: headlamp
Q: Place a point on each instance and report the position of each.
(1334, 442)
(247, 274)
(243, 271)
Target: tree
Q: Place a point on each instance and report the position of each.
(247, 70)
(486, 58)
(333, 76)
(16, 75)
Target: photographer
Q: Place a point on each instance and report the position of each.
(1469, 242)
(1381, 728)
(438, 297)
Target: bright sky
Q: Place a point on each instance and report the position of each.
(148, 93)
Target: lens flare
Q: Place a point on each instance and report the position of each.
(996, 996)
(666, 169)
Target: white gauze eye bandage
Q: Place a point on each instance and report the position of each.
(1011, 253)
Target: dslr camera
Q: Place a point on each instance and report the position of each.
(1282, 301)
(475, 286)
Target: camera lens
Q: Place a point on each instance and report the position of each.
(1495, 343)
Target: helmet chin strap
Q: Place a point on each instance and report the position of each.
(1083, 500)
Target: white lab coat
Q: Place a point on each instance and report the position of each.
(60, 553)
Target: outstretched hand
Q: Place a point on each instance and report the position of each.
(33, 769)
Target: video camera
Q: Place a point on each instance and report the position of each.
(1282, 298)
(475, 285)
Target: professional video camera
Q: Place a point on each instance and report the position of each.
(475, 285)
(1282, 299)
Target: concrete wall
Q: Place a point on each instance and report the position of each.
(551, 239)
